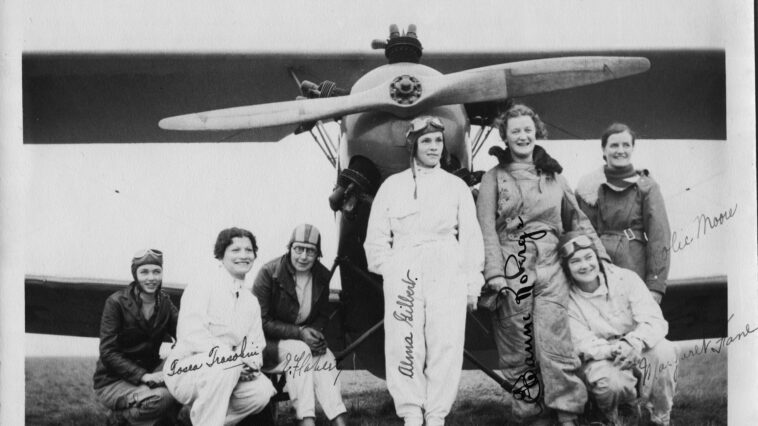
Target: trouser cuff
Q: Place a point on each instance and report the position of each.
(565, 416)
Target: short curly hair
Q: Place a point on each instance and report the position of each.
(518, 110)
(614, 129)
(226, 237)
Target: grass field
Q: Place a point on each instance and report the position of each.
(59, 392)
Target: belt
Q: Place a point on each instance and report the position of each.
(629, 233)
(416, 241)
(515, 236)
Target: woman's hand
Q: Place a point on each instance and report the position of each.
(152, 379)
(496, 284)
(625, 355)
(248, 373)
(314, 339)
(471, 303)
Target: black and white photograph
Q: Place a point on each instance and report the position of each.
(378, 213)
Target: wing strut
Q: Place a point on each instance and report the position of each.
(479, 140)
(323, 140)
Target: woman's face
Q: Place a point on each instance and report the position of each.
(238, 257)
(303, 256)
(618, 150)
(584, 266)
(429, 149)
(149, 278)
(520, 136)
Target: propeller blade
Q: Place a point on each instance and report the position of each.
(277, 113)
(497, 82)
(518, 79)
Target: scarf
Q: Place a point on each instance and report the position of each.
(621, 178)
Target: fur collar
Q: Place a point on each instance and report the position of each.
(589, 185)
(542, 160)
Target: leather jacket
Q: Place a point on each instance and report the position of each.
(275, 289)
(130, 344)
(632, 224)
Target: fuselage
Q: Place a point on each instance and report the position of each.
(379, 137)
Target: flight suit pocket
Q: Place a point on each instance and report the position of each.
(508, 198)
(402, 217)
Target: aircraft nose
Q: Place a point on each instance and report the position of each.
(404, 85)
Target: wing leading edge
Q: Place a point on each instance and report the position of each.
(120, 98)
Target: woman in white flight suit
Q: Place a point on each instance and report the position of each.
(424, 239)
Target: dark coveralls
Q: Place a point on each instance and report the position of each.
(522, 213)
(632, 224)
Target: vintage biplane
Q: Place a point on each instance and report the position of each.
(121, 98)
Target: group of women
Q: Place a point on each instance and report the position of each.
(437, 250)
(566, 320)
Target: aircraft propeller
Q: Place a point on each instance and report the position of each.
(407, 95)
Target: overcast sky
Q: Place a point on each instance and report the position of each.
(89, 207)
(345, 25)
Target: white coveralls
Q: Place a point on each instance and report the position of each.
(430, 252)
(221, 314)
(622, 308)
(310, 378)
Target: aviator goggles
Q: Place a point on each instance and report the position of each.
(575, 244)
(420, 123)
(309, 251)
(142, 254)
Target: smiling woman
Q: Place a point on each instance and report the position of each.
(422, 237)
(135, 321)
(219, 320)
(619, 332)
(524, 204)
(626, 208)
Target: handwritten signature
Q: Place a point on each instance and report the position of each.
(704, 224)
(523, 388)
(703, 348)
(214, 359)
(405, 302)
(304, 362)
(720, 343)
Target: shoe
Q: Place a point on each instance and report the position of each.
(116, 418)
(183, 418)
(413, 421)
(340, 420)
(630, 413)
(540, 421)
(307, 421)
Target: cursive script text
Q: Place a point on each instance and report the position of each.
(703, 224)
(214, 358)
(405, 315)
(298, 364)
(527, 386)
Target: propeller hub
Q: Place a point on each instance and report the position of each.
(405, 89)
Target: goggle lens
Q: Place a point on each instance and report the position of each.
(309, 251)
(421, 123)
(578, 243)
(146, 252)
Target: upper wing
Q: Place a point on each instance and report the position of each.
(69, 306)
(111, 98)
